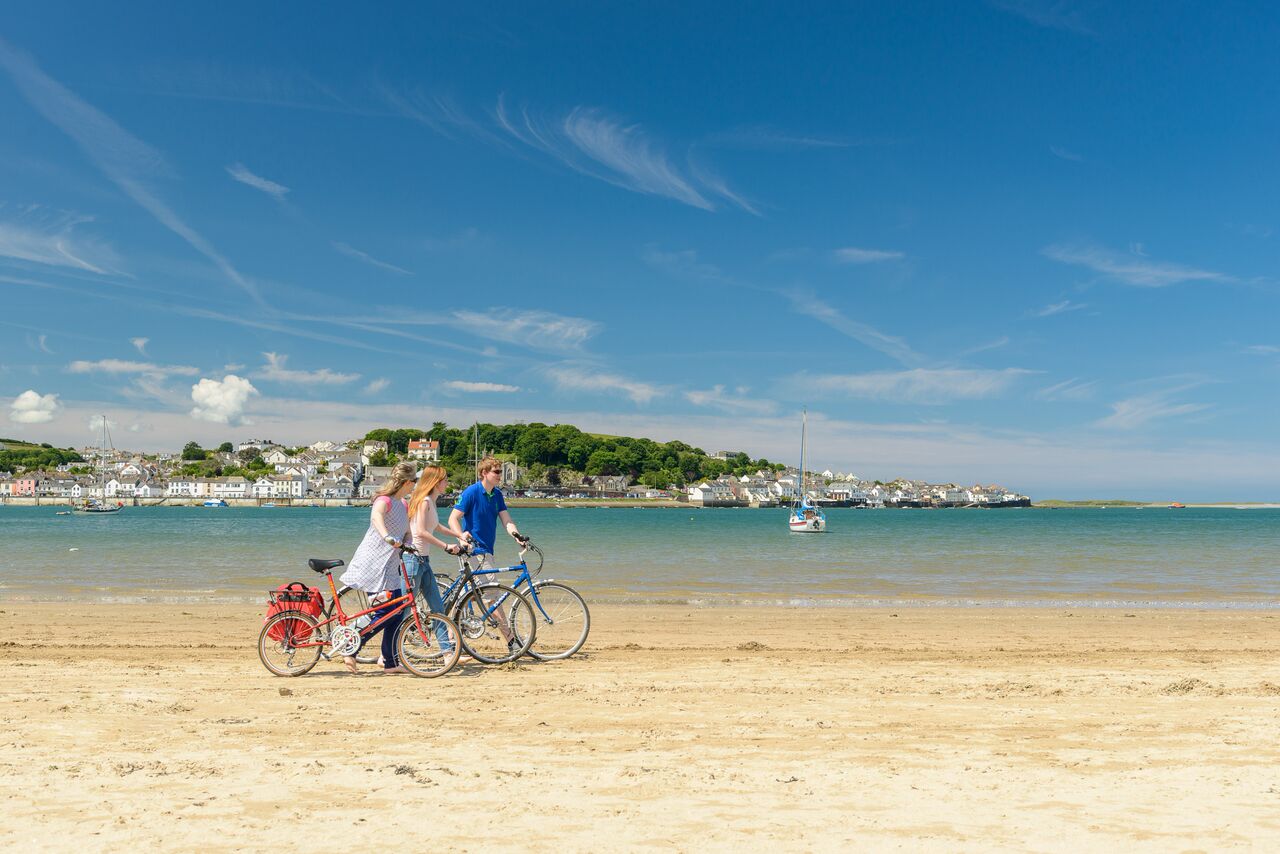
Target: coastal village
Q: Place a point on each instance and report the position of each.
(330, 473)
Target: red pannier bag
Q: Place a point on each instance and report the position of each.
(294, 596)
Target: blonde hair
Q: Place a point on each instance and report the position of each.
(403, 473)
(431, 475)
(487, 463)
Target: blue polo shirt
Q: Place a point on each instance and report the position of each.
(480, 511)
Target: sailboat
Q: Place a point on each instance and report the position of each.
(99, 505)
(805, 518)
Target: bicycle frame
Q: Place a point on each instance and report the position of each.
(523, 578)
(342, 618)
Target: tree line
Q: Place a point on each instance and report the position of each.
(550, 452)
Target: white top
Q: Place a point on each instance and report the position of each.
(375, 565)
(424, 522)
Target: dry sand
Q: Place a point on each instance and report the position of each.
(156, 728)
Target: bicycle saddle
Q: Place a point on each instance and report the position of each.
(321, 565)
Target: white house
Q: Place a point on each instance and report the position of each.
(427, 450)
(711, 492)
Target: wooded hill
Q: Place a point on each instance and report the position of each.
(549, 452)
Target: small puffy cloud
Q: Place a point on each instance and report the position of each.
(377, 385)
(854, 255)
(463, 385)
(140, 344)
(221, 401)
(31, 407)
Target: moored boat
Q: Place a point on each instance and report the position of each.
(805, 517)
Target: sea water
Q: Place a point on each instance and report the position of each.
(1123, 557)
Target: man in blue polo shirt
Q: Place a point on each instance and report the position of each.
(476, 513)
(474, 519)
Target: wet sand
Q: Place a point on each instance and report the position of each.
(134, 726)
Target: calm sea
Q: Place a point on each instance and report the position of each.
(1111, 557)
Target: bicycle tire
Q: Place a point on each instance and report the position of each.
(478, 626)
(294, 660)
(424, 656)
(563, 628)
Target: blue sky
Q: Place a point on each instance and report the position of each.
(1031, 243)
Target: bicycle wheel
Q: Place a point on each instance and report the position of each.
(278, 643)
(353, 602)
(563, 620)
(490, 615)
(428, 656)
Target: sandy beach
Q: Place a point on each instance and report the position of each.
(937, 729)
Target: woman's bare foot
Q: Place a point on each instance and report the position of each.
(351, 663)
(393, 671)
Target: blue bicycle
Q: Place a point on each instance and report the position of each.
(562, 615)
(496, 623)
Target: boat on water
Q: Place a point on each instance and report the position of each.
(99, 505)
(268, 504)
(215, 502)
(805, 517)
(1177, 505)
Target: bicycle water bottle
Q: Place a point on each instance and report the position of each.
(361, 621)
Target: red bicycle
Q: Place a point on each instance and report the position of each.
(292, 642)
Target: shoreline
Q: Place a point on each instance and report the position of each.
(659, 503)
(926, 729)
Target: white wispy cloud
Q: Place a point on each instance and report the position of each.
(140, 344)
(919, 385)
(124, 366)
(241, 173)
(810, 305)
(44, 344)
(1138, 411)
(854, 255)
(717, 398)
(121, 157)
(276, 371)
(576, 378)
(594, 144)
(769, 138)
(31, 407)
(1063, 154)
(539, 330)
(1262, 350)
(35, 236)
(1131, 270)
(463, 385)
(1051, 14)
(377, 385)
(1059, 308)
(222, 401)
(1072, 389)
(352, 252)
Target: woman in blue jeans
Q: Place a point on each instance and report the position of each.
(424, 524)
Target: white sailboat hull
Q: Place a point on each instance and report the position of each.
(808, 526)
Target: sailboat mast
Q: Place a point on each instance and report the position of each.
(804, 436)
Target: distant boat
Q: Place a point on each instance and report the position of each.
(268, 504)
(63, 513)
(1177, 505)
(805, 518)
(95, 505)
(215, 502)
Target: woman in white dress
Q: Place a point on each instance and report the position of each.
(375, 567)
